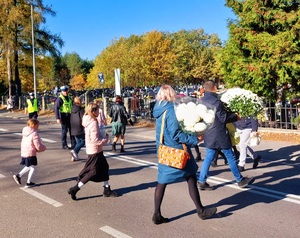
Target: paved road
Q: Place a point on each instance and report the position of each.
(269, 208)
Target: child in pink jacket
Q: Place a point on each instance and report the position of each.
(30, 145)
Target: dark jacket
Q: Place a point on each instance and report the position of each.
(118, 113)
(173, 137)
(217, 137)
(77, 113)
(247, 123)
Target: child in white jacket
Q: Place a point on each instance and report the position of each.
(30, 145)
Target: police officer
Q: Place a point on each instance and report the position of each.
(62, 110)
(32, 106)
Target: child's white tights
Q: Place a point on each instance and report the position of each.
(25, 170)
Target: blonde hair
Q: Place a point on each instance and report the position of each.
(77, 101)
(91, 107)
(32, 122)
(166, 92)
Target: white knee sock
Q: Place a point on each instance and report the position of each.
(30, 174)
(23, 171)
(80, 184)
(106, 184)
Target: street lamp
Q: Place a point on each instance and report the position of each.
(33, 52)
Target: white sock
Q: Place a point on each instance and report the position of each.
(30, 174)
(106, 184)
(23, 171)
(80, 184)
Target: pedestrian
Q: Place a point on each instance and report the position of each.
(32, 107)
(245, 127)
(96, 168)
(174, 137)
(62, 108)
(217, 138)
(119, 120)
(30, 145)
(198, 153)
(10, 104)
(77, 130)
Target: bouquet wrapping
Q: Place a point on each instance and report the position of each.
(194, 117)
(242, 101)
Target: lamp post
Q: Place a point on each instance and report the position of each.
(33, 51)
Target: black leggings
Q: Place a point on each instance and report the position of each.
(193, 191)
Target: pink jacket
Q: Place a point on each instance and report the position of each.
(31, 142)
(93, 143)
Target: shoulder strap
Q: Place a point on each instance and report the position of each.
(162, 127)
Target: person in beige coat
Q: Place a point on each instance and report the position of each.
(30, 145)
(96, 168)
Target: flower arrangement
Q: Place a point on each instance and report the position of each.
(194, 118)
(242, 101)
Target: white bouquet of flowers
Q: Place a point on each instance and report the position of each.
(194, 118)
(242, 101)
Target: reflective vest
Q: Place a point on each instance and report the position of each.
(67, 105)
(32, 108)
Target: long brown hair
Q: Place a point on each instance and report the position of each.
(91, 107)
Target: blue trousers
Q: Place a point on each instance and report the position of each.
(210, 154)
(80, 142)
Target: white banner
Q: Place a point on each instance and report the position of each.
(117, 82)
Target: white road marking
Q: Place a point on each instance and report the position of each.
(258, 190)
(1, 129)
(2, 176)
(113, 232)
(47, 140)
(42, 197)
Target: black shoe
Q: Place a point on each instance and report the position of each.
(214, 163)
(65, 147)
(72, 191)
(198, 158)
(108, 192)
(17, 179)
(207, 212)
(205, 186)
(28, 185)
(159, 219)
(245, 182)
(256, 161)
(241, 168)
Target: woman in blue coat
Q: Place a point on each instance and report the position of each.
(174, 137)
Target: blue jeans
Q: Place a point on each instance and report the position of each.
(210, 153)
(80, 142)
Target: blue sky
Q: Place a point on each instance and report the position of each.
(89, 26)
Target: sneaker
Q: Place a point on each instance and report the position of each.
(255, 162)
(28, 185)
(245, 182)
(205, 186)
(65, 147)
(198, 158)
(207, 212)
(17, 179)
(241, 168)
(74, 155)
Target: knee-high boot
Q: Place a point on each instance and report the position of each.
(113, 146)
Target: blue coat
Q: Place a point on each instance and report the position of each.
(217, 137)
(247, 123)
(173, 137)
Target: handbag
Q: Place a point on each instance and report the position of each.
(167, 155)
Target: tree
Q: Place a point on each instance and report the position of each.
(262, 53)
(15, 35)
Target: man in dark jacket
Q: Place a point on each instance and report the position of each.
(217, 138)
(62, 111)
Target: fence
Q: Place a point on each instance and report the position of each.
(274, 116)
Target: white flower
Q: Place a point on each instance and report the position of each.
(194, 118)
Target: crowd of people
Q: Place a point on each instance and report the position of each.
(86, 127)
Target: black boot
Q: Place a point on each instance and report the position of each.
(114, 147)
(72, 191)
(198, 157)
(122, 149)
(108, 193)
